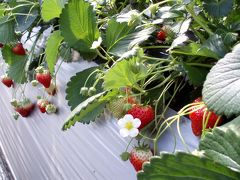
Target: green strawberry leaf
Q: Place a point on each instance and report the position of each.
(216, 45)
(222, 147)
(16, 64)
(194, 49)
(196, 75)
(123, 74)
(221, 89)
(27, 15)
(218, 8)
(121, 38)
(234, 125)
(17, 71)
(76, 82)
(52, 47)
(185, 166)
(7, 30)
(52, 9)
(87, 111)
(79, 27)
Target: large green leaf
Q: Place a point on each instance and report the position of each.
(52, 9)
(216, 45)
(86, 111)
(7, 32)
(16, 64)
(76, 82)
(52, 47)
(222, 147)
(120, 37)
(195, 49)
(122, 74)
(27, 15)
(222, 87)
(196, 75)
(182, 166)
(234, 125)
(17, 71)
(79, 28)
(218, 8)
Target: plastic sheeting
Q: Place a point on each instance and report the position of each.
(37, 149)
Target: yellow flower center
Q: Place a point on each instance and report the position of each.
(129, 125)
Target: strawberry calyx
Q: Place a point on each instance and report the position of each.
(40, 69)
(51, 108)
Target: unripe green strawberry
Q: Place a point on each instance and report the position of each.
(51, 108)
(92, 91)
(84, 91)
(118, 106)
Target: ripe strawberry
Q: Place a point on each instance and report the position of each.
(197, 119)
(1, 45)
(138, 156)
(24, 108)
(43, 76)
(161, 35)
(19, 50)
(7, 81)
(42, 103)
(118, 106)
(144, 113)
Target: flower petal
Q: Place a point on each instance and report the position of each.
(128, 117)
(133, 132)
(121, 122)
(136, 123)
(124, 132)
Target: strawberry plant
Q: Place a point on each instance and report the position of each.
(149, 56)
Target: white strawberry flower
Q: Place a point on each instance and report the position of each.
(129, 126)
(96, 44)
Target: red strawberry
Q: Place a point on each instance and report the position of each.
(7, 81)
(1, 45)
(25, 108)
(44, 78)
(138, 156)
(144, 113)
(42, 103)
(197, 119)
(18, 49)
(161, 35)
